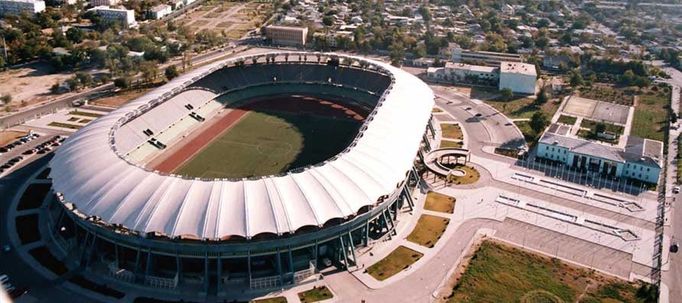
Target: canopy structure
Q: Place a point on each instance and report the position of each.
(89, 173)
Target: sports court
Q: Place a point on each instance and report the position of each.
(597, 110)
(268, 136)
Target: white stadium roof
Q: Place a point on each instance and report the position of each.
(90, 174)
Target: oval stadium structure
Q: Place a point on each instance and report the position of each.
(146, 196)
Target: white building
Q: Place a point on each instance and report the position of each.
(519, 77)
(639, 159)
(16, 7)
(461, 72)
(111, 3)
(160, 11)
(125, 16)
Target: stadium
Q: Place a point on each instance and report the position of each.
(250, 173)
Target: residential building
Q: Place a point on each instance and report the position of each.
(160, 11)
(16, 7)
(519, 77)
(122, 15)
(110, 3)
(177, 4)
(488, 58)
(286, 35)
(639, 159)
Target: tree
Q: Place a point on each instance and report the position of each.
(542, 97)
(599, 128)
(171, 72)
(84, 79)
(75, 35)
(576, 79)
(5, 99)
(328, 20)
(538, 122)
(397, 53)
(507, 93)
(123, 82)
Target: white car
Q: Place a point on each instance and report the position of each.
(676, 189)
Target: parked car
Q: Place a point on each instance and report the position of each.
(676, 189)
(674, 247)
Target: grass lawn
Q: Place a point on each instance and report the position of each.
(439, 202)
(271, 143)
(569, 120)
(64, 125)
(452, 131)
(470, 177)
(450, 144)
(271, 300)
(428, 230)
(523, 107)
(85, 114)
(315, 294)
(398, 260)
(528, 133)
(607, 93)
(500, 273)
(591, 133)
(651, 117)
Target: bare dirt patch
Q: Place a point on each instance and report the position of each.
(9, 136)
(29, 84)
(119, 98)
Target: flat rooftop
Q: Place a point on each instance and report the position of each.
(517, 68)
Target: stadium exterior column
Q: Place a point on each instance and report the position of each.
(248, 265)
(291, 260)
(206, 278)
(365, 234)
(343, 250)
(352, 249)
(178, 268)
(315, 254)
(116, 255)
(137, 263)
(279, 268)
(149, 262)
(219, 273)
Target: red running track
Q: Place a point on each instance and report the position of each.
(196, 144)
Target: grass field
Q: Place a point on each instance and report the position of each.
(450, 144)
(439, 202)
(428, 230)
(471, 175)
(315, 294)
(452, 131)
(271, 300)
(266, 143)
(523, 107)
(651, 117)
(500, 273)
(569, 120)
(398, 260)
(64, 125)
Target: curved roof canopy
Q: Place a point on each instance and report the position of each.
(89, 173)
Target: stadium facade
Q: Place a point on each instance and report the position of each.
(127, 223)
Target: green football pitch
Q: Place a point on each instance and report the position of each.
(266, 143)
